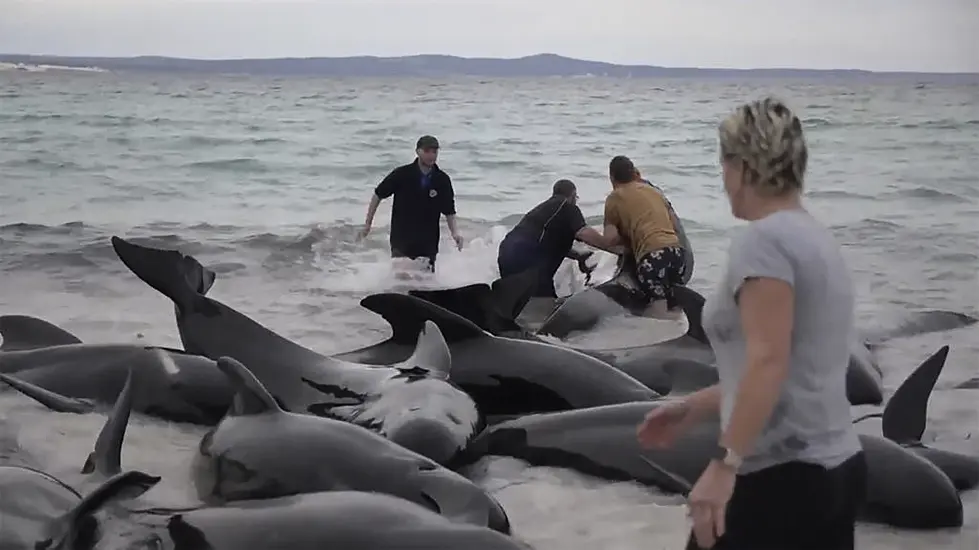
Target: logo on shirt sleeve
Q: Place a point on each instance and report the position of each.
(433, 193)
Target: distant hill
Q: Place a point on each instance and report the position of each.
(541, 65)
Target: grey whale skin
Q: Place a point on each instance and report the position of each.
(682, 364)
(505, 376)
(905, 488)
(411, 402)
(37, 510)
(172, 384)
(260, 451)
(343, 519)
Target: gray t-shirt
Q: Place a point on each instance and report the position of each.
(811, 421)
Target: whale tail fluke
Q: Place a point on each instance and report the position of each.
(179, 277)
(78, 528)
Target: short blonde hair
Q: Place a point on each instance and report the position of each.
(767, 137)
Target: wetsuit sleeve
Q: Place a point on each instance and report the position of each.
(575, 219)
(448, 206)
(388, 185)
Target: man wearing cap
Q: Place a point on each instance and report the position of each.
(422, 194)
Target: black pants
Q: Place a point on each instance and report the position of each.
(519, 253)
(795, 506)
(395, 253)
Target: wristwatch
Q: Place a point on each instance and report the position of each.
(727, 457)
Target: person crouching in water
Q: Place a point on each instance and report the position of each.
(543, 238)
(637, 215)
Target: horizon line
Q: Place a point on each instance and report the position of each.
(492, 58)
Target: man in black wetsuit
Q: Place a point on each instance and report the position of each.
(422, 194)
(544, 236)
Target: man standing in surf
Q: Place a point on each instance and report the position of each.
(422, 194)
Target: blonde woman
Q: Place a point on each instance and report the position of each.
(788, 471)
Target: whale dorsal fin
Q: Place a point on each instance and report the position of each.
(407, 315)
(23, 332)
(431, 352)
(74, 529)
(251, 397)
(54, 401)
(106, 458)
(906, 412)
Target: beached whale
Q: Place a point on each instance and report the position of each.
(410, 401)
(173, 385)
(905, 488)
(37, 510)
(261, 451)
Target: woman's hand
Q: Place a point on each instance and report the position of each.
(664, 424)
(707, 503)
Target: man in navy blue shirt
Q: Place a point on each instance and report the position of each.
(543, 238)
(422, 194)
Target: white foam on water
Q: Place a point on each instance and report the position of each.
(373, 270)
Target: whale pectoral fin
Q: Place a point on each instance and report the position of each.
(251, 397)
(970, 384)
(431, 352)
(54, 401)
(407, 315)
(460, 502)
(23, 332)
(106, 457)
(175, 275)
(924, 322)
(905, 414)
(70, 530)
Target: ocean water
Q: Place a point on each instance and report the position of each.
(266, 181)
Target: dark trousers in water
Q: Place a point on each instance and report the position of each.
(395, 253)
(795, 506)
(518, 254)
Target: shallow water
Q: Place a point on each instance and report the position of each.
(266, 180)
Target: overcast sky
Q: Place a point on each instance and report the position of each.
(917, 35)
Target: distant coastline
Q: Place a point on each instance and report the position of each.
(433, 66)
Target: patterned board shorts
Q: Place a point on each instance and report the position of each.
(659, 271)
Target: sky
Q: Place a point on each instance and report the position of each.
(908, 35)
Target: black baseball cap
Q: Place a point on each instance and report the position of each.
(427, 142)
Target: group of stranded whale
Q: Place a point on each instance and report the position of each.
(365, 449)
